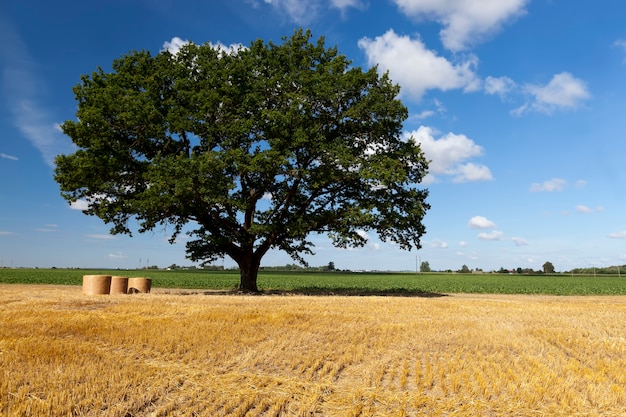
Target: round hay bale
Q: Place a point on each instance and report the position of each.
(119, 285)
(139, 285)
(96, 284)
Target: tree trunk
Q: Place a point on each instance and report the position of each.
(249, 270)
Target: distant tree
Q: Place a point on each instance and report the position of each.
(548, 268)
(425, 267)
(465, 269)
(519, 270)
(246, 151)
(331, 266)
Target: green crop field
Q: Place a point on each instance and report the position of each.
(343, 282)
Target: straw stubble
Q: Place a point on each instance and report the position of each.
(63, 353)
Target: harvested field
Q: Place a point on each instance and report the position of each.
(63, 353)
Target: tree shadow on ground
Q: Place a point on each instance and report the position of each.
(317, 291)
(355, 292)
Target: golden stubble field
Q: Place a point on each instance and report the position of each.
(174, 354)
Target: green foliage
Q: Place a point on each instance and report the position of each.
(255, 148)
(617, 270)
(548, 268)
(345, 282)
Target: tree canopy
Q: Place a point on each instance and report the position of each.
(548, 268)
(246, 150)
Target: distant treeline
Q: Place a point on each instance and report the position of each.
(609, 270)
(288, 267)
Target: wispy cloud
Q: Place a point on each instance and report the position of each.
(5, 156)
(303, 12)
(500, 86)
(621, 43)
(494, 235)
(48, 228)
(585, 209)
(618, 235)
(22, 90)
(5, 233)
(45, 229)
(101, 237)
(439, 244)
(564, 91)
(555, 184)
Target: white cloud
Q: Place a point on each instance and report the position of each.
(519, 241)
(423, 115)
(174, 45)
(117, 255)
(79, 205)
(494, 235)
(500, 86)
(585, 209)
(465, 22)
(555, 184)
(5, 156)
(417, 69)
(448, 153)
(564, 91)
(439, 244)
(480, 222)
(5, 233)
(471, 172)
(101, 237)
(618, 235)
(177, 43)
(363, 234)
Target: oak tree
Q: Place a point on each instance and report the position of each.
(246, 150)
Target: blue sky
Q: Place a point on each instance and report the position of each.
(518, 103)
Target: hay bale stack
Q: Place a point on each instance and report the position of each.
(119, 285)
(96, 284)
(139, 285)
